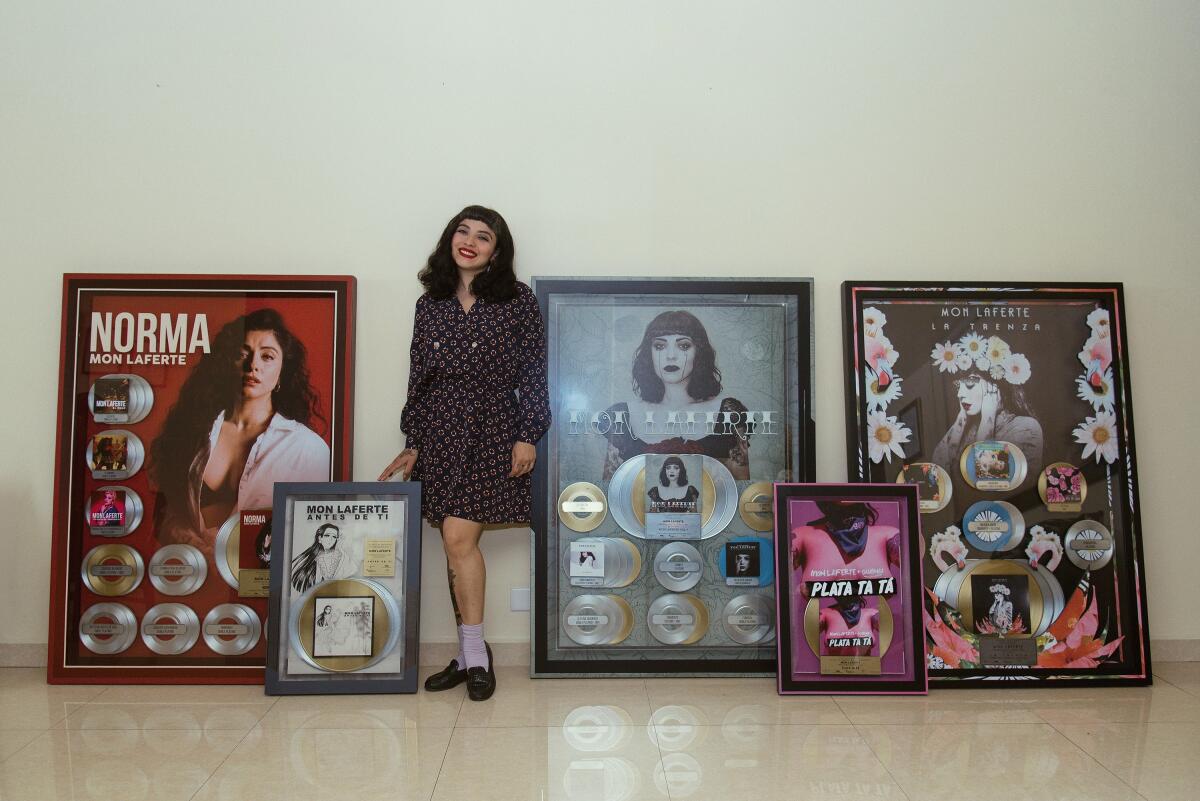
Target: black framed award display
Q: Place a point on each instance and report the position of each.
(345, 604)
(1008, 406)
(848, 558)
(182, 399)
(676, 405)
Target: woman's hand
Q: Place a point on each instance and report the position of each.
(402, 464)
(524, 455)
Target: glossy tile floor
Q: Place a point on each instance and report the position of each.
(581, 740)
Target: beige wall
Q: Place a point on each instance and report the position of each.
(931, 140)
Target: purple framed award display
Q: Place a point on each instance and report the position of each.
(848, 557)
(1008, 406)
(676, 405)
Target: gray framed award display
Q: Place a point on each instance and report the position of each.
(1009, 407)
(345, 588)
(676, 406)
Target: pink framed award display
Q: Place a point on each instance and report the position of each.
(1008, 406)
(848, 558)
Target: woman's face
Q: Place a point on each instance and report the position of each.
(672, 471)
(970, 393)
(262, 363)
(674, 357)
(327, 610)
(472, 245)
(327, 539)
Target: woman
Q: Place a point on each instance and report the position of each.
(477, 404)
(673, 493)
(675, 370)
(324, 560)
(241, 424)
(844, 544)
(992, 406)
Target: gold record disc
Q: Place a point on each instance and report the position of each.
(582, 507)
(627, 627)
(1002, 567)
(112, 569)
(636, 570)
(380, 628)
(757, 506)
(708, 497)
(701, 619)
(812, 625)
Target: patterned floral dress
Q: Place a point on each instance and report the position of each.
(477, 385)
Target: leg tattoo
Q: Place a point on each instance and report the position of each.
(453, 597)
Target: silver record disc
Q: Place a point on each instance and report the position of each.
(231, 629)
(593, 619)
(228, 570)
(178, 569)
(107, 637)
(1089, 545)
(147, 399)
(678, 566)
(749, 619)
(133, 513)
(677, 619)
(621, 497)
(170, 629)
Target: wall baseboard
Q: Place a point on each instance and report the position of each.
(516, 654)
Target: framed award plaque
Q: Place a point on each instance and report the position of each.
(345, 606)
(1008, 406)
(676, 405)
(848, 557)
(182, 400)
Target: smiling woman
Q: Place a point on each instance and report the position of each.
(477, 405)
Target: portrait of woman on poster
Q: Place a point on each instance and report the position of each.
(673, 492)
(241, 423)
(675, 370)
(324, 560)
(990, 409)
(477, 405)
(845, 543)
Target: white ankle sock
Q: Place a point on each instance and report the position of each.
(474, 649)
(460, 659)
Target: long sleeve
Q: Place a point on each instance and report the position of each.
(533, 395)
(412, 418)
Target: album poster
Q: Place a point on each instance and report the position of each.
(182, 400)
(849, 561)
(676, 405)
(1009, 408)
(345, 574)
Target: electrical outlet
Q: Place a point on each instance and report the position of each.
(518, 599)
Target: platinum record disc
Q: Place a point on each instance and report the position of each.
(678, 566)
(107, 628)
(225, 549)
(597, 619)
(178, 569)
(133, 511)
(112, 569)
(170, 629)
(680, 619)
(623, 494)
(749, 619)
(135, 455)
(231, 629)
(582, 507)
(138, 403)
(1089, 545)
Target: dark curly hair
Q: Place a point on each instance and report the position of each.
(215, 385)
(498, 282)
(705, 380)
(662, 474)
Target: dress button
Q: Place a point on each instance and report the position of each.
(474, 344)
(437, 345)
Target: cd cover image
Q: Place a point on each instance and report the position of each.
(673, 502)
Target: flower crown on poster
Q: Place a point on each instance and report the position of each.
(989, 354)
(1098, 434)
(887, 435)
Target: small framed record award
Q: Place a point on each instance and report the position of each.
(345, 604)
(848, 557)
(676, 405)
(182, 400)
(1008, 406)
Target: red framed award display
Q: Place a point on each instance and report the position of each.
(849, 566)
(182, 400)
(1009, 407)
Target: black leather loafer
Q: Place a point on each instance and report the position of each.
(446, 678)
(482, 683)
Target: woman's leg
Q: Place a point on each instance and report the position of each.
(465, 568)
